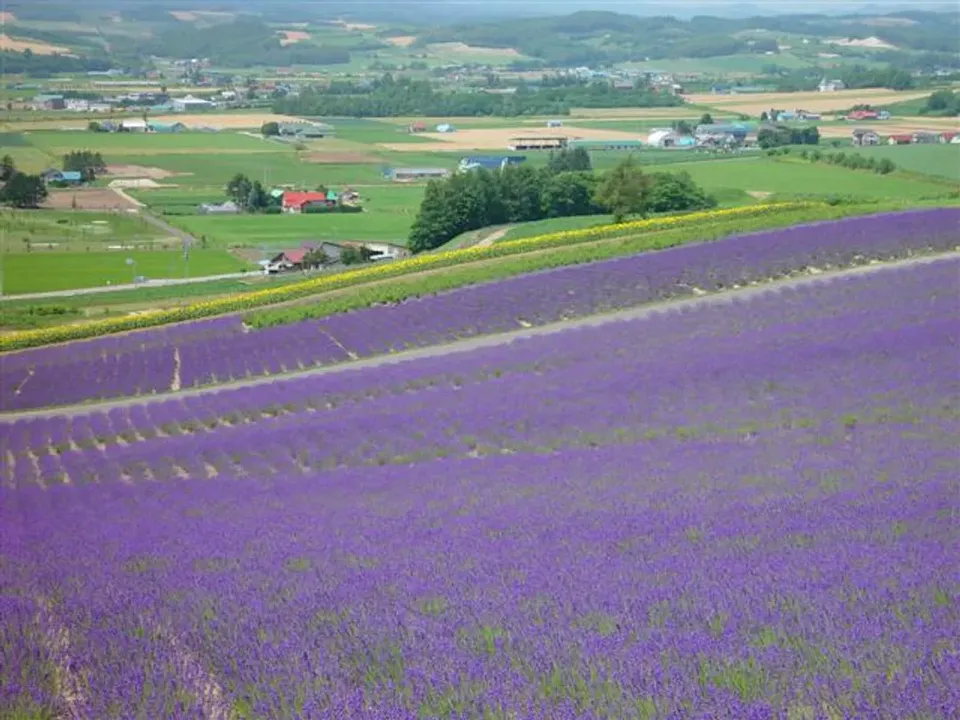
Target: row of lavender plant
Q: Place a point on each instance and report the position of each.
(264, 420)
(219, 351)
(743, 511)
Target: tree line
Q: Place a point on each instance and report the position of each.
(390, 96)
(19, 189)
(565, 187)
(780, 135)
(853, 161)
(88, 163)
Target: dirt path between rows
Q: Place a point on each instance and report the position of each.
(461, 346)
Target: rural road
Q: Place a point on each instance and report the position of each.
(485, 341)
(169, 229)
(161, 282)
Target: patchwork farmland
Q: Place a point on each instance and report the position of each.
(563, 368)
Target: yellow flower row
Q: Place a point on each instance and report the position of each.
(270, 296)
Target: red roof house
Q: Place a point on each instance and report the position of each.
(900, 139)
(295, 202)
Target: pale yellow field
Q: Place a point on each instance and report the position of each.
(899, 126)
(402, 40)
(499, 138)
(223, 121)
(193, 15)
(756, 103)
(293, 36)
(657, 113)
(460, 48)
(35, 46)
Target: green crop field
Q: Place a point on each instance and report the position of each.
(766, 175)
(939, 160)
(59, 142)
(215, 170)
(45, 271)
(387, 217)
(30, 159)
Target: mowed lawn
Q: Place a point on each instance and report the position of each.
(50, 270)
(111, 144)
(388, 214)
(802, 178)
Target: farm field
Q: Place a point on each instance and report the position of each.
(940, 160)
(289, 231)
(68, 230)
(112, 144)
(46, 271)
(755, 103)
(576, 516)
(767, 175)
(899, 125)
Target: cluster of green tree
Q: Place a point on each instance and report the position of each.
(597, 37)
(18, 189)
(943, 103)
(389, 96)
(88, 164)
(250, 196)
(565, 188)
(923, 62)
(854, 161)
(780, 135)
(245, 42)
(41, 66)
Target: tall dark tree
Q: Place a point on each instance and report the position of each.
(88, 163)
(238, 189)
(520, 190)
(257, 198)
(570, 160)
(435, 222)
(23, 191)
(676, 192)
(7, 168)
(570, 193)
(625, 190)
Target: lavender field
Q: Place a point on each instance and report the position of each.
(740, 509)
(225, 350)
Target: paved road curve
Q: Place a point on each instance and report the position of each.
(725, 297)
